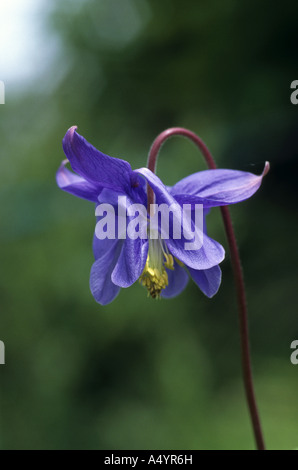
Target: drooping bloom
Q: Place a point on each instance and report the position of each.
(163, 266)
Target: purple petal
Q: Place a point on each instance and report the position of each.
(178, 280)
(161, 192)
(131, 262)
(75, 184)
(135, 196)
(94, 165)
(103, 289)
(162, 195)
(220, 187)
(209, 255)
(192, 200)
(207, 280)
(101, 247)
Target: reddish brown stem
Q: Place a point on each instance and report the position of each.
(237, 270)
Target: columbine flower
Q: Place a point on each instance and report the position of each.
(162, 266)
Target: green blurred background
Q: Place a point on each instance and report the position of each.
(144, 374)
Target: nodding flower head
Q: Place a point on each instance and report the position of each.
(161, 263)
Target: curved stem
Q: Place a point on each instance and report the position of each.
(237, 270)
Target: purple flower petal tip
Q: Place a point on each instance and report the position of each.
(266, 169)
(68, 138)
(219, 187)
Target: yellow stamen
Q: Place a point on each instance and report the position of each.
(179, 262)
(154, 276)
(169, 263)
